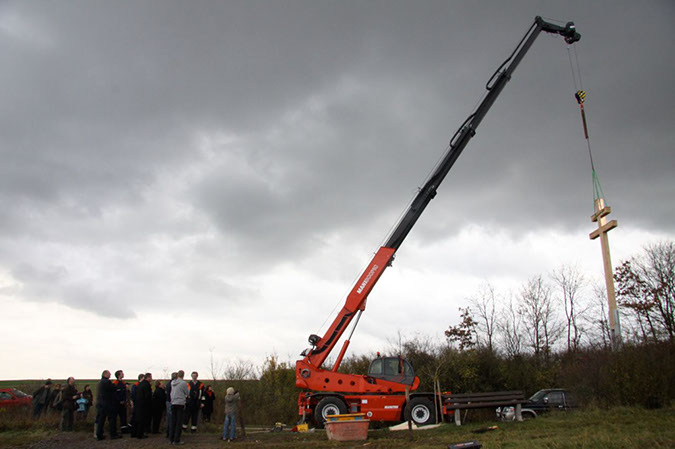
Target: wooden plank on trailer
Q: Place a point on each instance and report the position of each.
(483, 405)
(485, 399)
(489, 393)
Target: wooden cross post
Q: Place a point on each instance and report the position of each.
(604, 226)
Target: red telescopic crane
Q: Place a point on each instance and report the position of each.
(385, 393)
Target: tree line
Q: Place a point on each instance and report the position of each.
(564, 311)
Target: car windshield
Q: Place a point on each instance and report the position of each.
(538, 395)
(19, 393)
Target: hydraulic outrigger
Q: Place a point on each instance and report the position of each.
(382, 393)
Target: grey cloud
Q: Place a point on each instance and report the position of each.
(338, 110)
(49, 283)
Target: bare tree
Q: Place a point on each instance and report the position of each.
(510, 327)
(240, 370)
(539, 318)
(215, 366)
(397, 345)
(597, 318)
(486, 314)
(571, 283)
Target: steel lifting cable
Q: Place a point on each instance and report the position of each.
(580, 96)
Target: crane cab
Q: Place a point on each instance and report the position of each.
(393, 369)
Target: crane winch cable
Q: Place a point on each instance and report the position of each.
(580, 96)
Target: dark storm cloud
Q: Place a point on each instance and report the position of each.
(304, 179)
(335, 112)
(528, 166)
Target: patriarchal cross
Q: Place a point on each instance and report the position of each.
(604, 226)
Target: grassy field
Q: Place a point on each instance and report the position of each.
(614, 428)
(29, 386)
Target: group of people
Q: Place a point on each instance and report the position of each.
(181, 401)
(65, 400)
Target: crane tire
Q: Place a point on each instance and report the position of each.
(330, 405)
(421, 411)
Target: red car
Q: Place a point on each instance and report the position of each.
(11, 397)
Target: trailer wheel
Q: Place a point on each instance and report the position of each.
(329, 405)
(421, 411)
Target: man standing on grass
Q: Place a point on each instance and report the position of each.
(132, 396)
(106, 407)
(41, 398)
(69, 396)
(179, 393)
(121, 398)
(142, 406)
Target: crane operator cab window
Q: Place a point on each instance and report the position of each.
(394, 369)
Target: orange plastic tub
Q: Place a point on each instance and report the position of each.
(353, 430)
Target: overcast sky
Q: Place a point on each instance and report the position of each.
(185, 177)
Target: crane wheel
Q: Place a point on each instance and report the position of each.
(421, 411)
(330, 405)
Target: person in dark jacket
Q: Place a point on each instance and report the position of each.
(106, 407)
(142, 407)
(55, 396)
(68, 397)
(121, 399)
(132, 397)
(209, 398)
(41, 398)
(158, 405)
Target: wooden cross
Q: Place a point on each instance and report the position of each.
(604, 226)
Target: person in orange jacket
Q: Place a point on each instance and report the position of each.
(195, 402)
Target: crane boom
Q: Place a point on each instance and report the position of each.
(356, 300)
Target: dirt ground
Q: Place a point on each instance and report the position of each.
(80, 440)
(85, 440)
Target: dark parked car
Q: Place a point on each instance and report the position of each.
(11, 398)
(541, 402)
